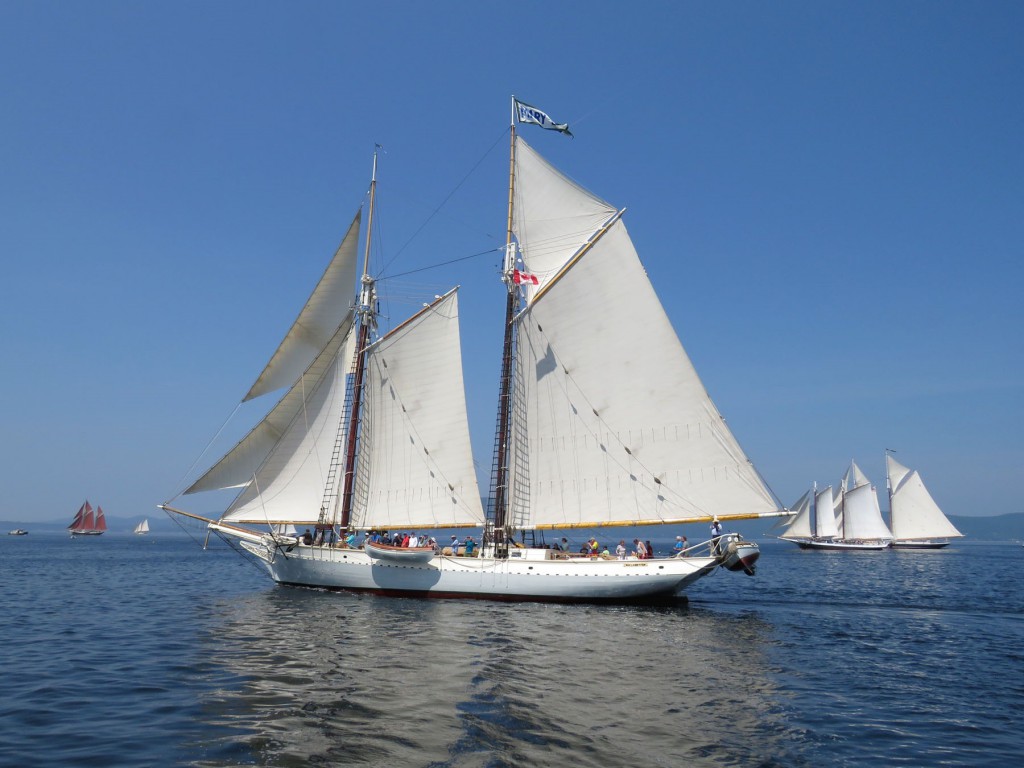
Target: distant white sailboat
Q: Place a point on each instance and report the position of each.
(142, 528)
(602, 421)
(851, 520)
(917, 521)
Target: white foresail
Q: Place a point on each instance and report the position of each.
(289, 485)
(800, 526)
(239, 465)
(915, 515)
(895, 472)
(862, 518)
(825, 521)
(854, 478)
(618, 426)
(323, 312)
(415, 435)
(553, 216)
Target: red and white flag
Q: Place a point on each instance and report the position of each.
(521, 278)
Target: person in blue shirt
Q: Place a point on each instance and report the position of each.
(470, 546)
(716, 534)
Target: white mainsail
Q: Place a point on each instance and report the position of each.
(915, 515)
(825, 517)
(142, 527)
(862, 519)
(618, 426)
(415, 434)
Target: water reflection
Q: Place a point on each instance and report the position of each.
(344, 679)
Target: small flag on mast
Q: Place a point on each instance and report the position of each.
(527, 114)
(522, 278)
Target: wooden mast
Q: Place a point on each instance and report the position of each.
(500, 478)
(366, 319)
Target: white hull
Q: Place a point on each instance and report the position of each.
(526, 575)
(840, 544)
(920, 544)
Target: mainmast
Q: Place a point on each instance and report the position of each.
(367, 319)
(499, 474)
(888, 487)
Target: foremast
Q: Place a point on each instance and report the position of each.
(367, 317)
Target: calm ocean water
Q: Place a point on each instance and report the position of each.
(147, 651)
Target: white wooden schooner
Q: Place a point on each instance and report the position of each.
(848, 520)
(372, 433)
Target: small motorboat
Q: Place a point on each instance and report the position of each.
(18, 532)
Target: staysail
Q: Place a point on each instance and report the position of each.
(289, 484)
(553, 217)
(240, 464)
(800, 526)
(79, 521)
(600, 443)
(283, 462)
(324, 311)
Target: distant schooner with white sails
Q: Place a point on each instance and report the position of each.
(917, 521)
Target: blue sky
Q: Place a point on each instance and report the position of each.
(829, 197)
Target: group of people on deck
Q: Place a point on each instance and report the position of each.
(642, 550)
(400, 539)
(348, 539)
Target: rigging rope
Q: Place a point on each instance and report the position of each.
(443, 203)
(199, 458)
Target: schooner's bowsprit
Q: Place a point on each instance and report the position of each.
(584, 440)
